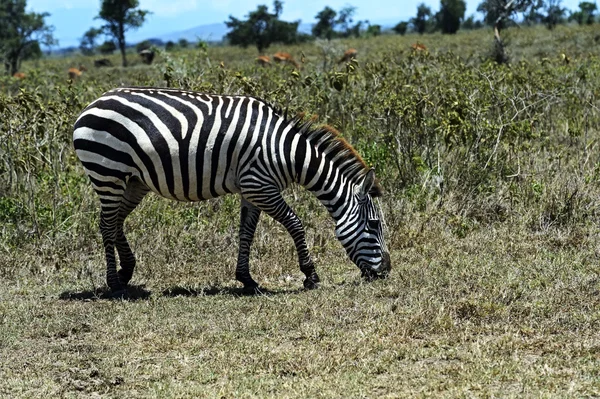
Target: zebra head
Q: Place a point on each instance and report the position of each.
(361, 232)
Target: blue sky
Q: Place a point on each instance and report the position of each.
(71, 18)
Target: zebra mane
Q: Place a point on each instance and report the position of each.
(327, 140)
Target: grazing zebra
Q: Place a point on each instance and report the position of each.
(191, 146)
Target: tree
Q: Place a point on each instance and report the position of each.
(422, 22)
(108, 47)
(143, 45)
(373, 30)
(345, 22)
(401, 28)
(555, 14)
(88, 41)
(451, 13)
(586, 13)
(324, 28)
(121, 16)
(183, 43)
(21, 33)
(471, 23)
(170, 46)
(499, 12)
(262, 28)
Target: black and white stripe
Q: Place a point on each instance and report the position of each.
(191, 146)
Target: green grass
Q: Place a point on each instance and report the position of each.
(492, 202)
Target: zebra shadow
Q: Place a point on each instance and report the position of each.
(139, 292)
(219, 290)
(132, 293)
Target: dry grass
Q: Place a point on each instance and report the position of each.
(499, 313)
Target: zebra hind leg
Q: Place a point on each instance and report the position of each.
(110, 199)
(249, 215)
(134, 193)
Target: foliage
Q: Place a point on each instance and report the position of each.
(471, 23)
(345, 23)
(108, 47)
(331, 24)
(555, 14)
(88, 41)
(451, 13)
(586, 14)
(262, 28)
(21, 33)
(183, 43)
(325, 26)
(401, 28)
(119, 17)
(500, 12)
(373, 30)
(143, 45)
(423, 21)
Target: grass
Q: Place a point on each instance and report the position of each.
(492, 180)
(493, 314)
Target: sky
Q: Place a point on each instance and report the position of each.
(71, 18)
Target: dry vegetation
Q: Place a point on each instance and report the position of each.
(492, 178)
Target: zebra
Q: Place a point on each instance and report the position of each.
(191, 146)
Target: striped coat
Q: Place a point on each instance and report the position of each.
(192, 146)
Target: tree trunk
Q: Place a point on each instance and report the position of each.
(14, 66)
(122, 48)
(122, 43)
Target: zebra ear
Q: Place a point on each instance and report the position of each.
(368, 182)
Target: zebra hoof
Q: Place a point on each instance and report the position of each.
(124, 276)
(252, 290)
(312, 282)
(118, 293)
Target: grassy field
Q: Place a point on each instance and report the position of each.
(492, 180)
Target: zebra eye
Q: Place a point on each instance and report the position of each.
(373, 224)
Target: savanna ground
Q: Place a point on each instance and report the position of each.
(492, 205)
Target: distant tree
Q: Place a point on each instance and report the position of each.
(471, 23)
(324, 28)
(422, 22)
(373, 30)
(586, 14)
(401, 28)
(183, 43)
(498, 13)
(121, 16)
(170, 46)
(451, 13)
(534, 16)
(88, 41)
(262, 28)
(345, 23)
(555, 14)
(143, 45)
(108, 47)
(21, 33)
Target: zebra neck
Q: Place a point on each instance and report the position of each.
(331, 187)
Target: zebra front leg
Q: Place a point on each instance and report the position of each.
(273, 204)
(249, 215)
